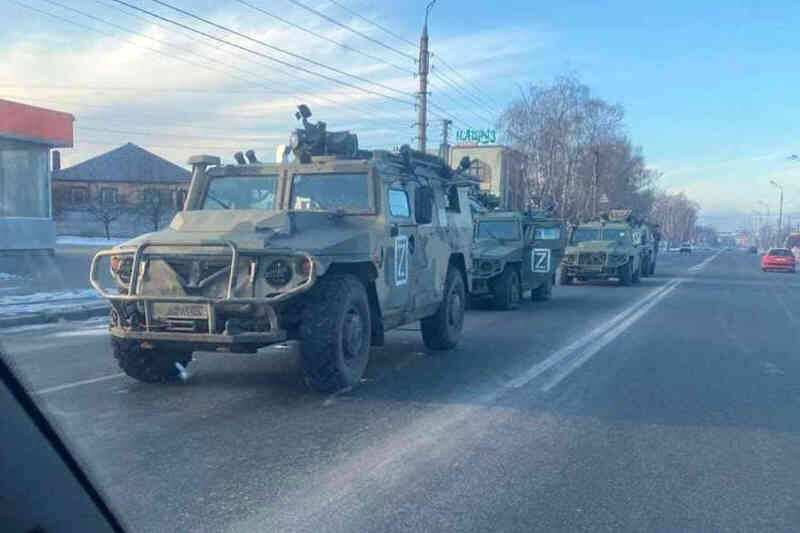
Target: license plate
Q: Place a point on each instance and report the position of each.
(176, 310)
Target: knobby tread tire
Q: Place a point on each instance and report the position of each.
(320, 333)
(436, 334)
(542, 292)
(148, 365)
(503, 292)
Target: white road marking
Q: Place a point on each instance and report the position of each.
(570, 358)
(78, 383)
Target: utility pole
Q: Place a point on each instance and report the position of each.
(444, 149)
(594, 182)
(422, 112)
(780, 214)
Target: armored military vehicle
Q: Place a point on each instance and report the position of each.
(610, 247)
(332, 249)
(514, 252)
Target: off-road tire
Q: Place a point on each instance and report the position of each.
(442, 330)
(636, 274)
(645, 268)
(155, 365)
(542, 292)
(652, 268)
(626, 274)
(564, 279)
(335, 332)
(507, 289)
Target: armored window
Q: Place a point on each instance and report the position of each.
(398, 203)
(452, 200)
(241, 192)
(330, 192)
(548, 233)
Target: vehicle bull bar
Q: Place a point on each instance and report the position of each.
(211, 303)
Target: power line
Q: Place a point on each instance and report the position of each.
(456, 103)
(383, 28)
(169, 134)
(463, 79)
(262, 43)
(328, 39)
(348, 28)
(468, 97)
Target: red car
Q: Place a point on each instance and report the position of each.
(778, 259)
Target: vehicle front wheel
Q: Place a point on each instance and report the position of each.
(335, 333)
(626, 274)
(543, 291)
(150, 365)
(442, 330)
(507, 289)
(652, 268)
(636, 274)
(645, 268)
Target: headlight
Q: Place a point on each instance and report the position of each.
(278, 273)
(488, 266)
(304, 267)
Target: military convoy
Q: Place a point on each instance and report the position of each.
(617, 245)
(332, 249)
(515, 252)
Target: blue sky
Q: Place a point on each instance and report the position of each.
(710, 88)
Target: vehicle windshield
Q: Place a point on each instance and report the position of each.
(241, 192)
(781, 252)
(497, 229)
(585, 234)
(330, 192)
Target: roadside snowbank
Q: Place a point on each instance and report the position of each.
(88, 241)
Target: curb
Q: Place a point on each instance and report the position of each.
(53, 316)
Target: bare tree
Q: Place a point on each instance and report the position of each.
(576, 150)
(677, 216)
(155, 207)
(106, 210)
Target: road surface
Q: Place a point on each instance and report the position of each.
(670, 405)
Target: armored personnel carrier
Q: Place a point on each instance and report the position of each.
(515, 252)
(332, 249)
(618, 245)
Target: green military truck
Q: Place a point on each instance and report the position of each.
(332, 250)
(514, 252)
(617, 245)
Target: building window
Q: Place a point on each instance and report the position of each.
(78, 195)
(482, 171)
(110, 195)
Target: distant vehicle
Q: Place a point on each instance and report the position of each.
(686, 248)
(753, 249)
(778, 259)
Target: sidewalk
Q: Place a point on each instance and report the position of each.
(41, 289)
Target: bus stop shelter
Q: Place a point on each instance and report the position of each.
(27, 134)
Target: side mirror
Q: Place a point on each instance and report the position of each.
(423, 205)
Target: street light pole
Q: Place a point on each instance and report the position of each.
(780, 214)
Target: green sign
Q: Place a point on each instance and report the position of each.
(469, 135)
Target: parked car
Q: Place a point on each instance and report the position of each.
(778, 259)
(686, 248)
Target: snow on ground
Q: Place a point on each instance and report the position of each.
(55, 301)
(5, 276)
(88, 241)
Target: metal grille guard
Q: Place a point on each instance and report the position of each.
(210, 303)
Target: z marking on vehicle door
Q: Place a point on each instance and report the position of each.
(541, 260)
(401, 260)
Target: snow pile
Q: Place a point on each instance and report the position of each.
(5, 276)
(88, 241)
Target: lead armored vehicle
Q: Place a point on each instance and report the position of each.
(332, 249)
(514, 252)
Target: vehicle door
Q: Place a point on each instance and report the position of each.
(528, 276)
(400, 246)
(548, 247)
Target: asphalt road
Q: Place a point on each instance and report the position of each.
(671, 405)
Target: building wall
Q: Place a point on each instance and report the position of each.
(25, 216)
(68, 193)
(499, 169)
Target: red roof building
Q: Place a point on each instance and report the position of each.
(27, 134)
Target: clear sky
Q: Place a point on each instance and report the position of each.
(709, 87)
